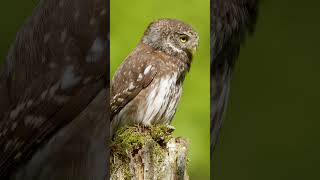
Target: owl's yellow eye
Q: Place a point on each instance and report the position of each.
(184, 39)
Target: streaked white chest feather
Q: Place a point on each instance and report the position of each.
(159, 106)
(162, 101)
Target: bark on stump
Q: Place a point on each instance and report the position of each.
(148, 153)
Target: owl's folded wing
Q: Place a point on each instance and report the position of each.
(135, 74)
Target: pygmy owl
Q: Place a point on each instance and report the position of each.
(147, 87)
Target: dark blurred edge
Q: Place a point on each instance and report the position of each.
(108, 90)
(105, 91)
(230, 22)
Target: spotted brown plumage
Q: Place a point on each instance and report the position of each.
(131, 82)
(55, 69)
(147, 86)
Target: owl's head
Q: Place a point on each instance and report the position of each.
(172, 36)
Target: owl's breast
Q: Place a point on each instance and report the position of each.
(155, 104)
(162, 99)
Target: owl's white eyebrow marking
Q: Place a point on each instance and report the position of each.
(95, 51)
(147, 70)
(69, 79)
(63, 35)
(174, 48)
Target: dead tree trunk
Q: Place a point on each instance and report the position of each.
(141, 153)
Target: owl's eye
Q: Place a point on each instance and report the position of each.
(184, 38)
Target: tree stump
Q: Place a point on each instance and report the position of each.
(148, 153)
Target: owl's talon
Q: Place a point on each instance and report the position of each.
(170, 128)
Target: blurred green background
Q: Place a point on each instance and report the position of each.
(129, 19)
(272, 127)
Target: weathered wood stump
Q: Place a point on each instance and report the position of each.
(148, 153)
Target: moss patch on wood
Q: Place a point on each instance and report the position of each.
(145, 151)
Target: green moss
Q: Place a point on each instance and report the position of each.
(161, 133)
(127, 141)
(130, 138)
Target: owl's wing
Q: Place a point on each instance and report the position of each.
(55, 67)
(135, 74)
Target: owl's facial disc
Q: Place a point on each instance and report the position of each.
(188, 42)
(173, 37)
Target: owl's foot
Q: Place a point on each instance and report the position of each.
(170, 128)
